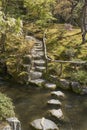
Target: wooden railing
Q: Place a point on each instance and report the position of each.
(48, 59)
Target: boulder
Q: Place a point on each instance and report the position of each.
(8, 127)
(58, 94)
(84, 90)
(76, 87)
(44, 124)
(64, 84)
(14, 123)
(54, 102)
(57, 113)
(50, 86)
(5, 126)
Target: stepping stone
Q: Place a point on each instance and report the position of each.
(40, 68)
(38, 82)
(57, 113)
(40, 53)
(39, 62)
(50, 86)
(58, 94)
(44, 124)
(54, 102)
(35, 75)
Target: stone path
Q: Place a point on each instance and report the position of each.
(39, 66)
(36, 77)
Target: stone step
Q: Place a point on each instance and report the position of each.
(50, 86)
(40, 68)
(54, 102)
(39, 62)
(40, 53)
(35, 75)
(38, 82)
(37, 56)
(44, 124)
(58, 94)
(38, 49)
(30, 38)
(38, 44)
(57, 113)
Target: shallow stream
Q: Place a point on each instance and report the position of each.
(31, 103)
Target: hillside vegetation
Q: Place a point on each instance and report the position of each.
(63, 44)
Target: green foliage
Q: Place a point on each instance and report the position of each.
(40, 11)
(65, 47)
(9, 24)
(80, 76)
(6, 107)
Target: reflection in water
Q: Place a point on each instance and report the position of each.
(31, 103)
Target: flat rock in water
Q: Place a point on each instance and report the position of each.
(38, 82)
(50, 86)
(57, 113)
(54, 102)
(44, 124)
(58, 94)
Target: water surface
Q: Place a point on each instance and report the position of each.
(31, 103)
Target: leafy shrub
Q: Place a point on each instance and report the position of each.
(6, 107)
(80, 76)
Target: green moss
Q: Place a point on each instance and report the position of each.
(63, 44)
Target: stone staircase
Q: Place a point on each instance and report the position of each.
(38, 66)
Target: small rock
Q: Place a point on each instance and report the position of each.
(65, 84)
(76, 87)
(57, 113)
(58, 94)
(84, 90)
(54, 102)
(50, 86)
(44, 124)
